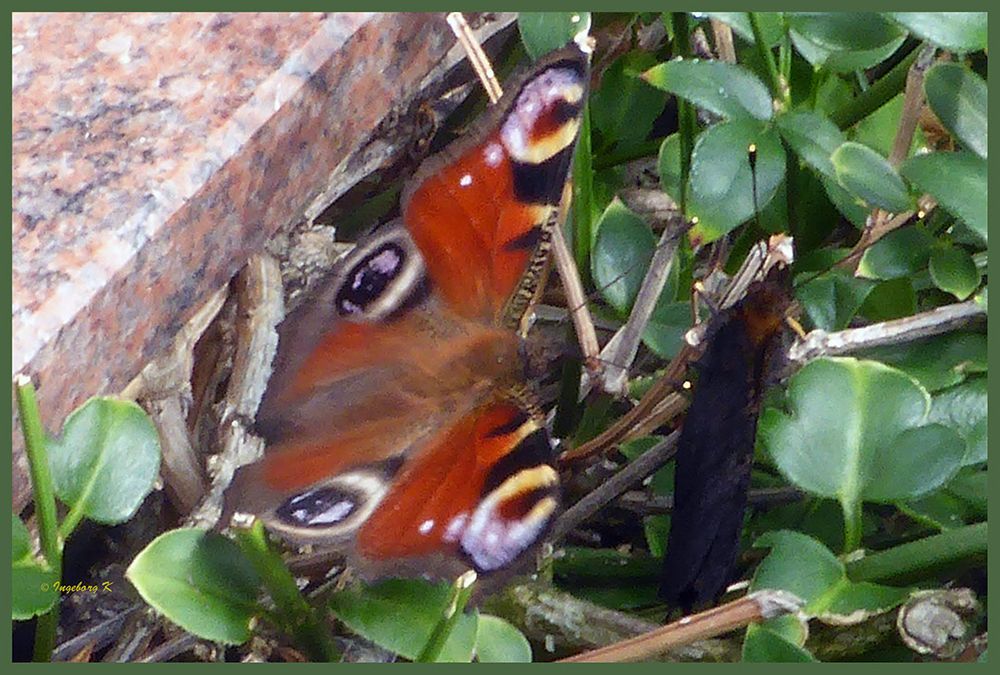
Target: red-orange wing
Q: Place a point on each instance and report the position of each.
(483, 491)
(481, 211)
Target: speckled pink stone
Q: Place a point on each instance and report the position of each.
(153, 153)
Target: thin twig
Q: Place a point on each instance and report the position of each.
(648, 505)
(752, 608)
(913, 102)
(642, 466)
(723, 41)
(933, 322)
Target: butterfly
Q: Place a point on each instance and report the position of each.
(399, 424)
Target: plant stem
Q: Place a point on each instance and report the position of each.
(876, 95)
(685, 111)
(461, 591)
(933, 551)
(778, 89)
(298, 617)
(583, 199)
(852, 525)
(45, 507)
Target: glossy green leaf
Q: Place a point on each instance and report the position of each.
(900, 253)
(771, 25)
(400, 615)
(498, 641)
(107, 459)
(669, 166)
(762, 645)
(959, 99)
(878, 129)
(543, 32)
(813, 137)
(940, 510)
(844, 41)
(32, 582)
(963, 408)
(938, 362)
(721, 187)
(625, 106)
(953, 271)
(888, 300)
(201, 581)
(972, 487)
(954, 31)
(664, 334)
(621, 255)
(844, 31)
(957, 180)
(869, 176)
(801, 565)
(849, 206)
(723, 88)
(857, 431)
(833, 299)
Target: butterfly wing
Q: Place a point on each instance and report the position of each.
(481, 212)
(396, 424)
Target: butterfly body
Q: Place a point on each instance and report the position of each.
(399, 424)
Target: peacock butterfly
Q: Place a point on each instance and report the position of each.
(399, 424)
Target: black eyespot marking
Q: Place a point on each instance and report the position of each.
(532, 451)
(525, 242)
(367, 280)
(320, 507)
(543, 183)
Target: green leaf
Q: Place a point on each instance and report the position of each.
(958, 98)
(953, 271)
(621, 255)
(625, 106)
(763, 645)
(771, 25)
(106, 460)
(844, 31)
(844, 41)
(20, 543)
(400, 615)
(721, 185)
(857, 431)
(664, 334)
(813, 137)
(957, 180)
(892, 299)
(869, 176)
(833, 299)
(543, 32)
(722, 88)
(938, 362)
(954, 31)
(963, 408)
(851, 208)
(669, 166)
(900, 253)
(803, 566)
(798, 564)
(32, 583)
(201, 581)
(878, 129)
(498, 641)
